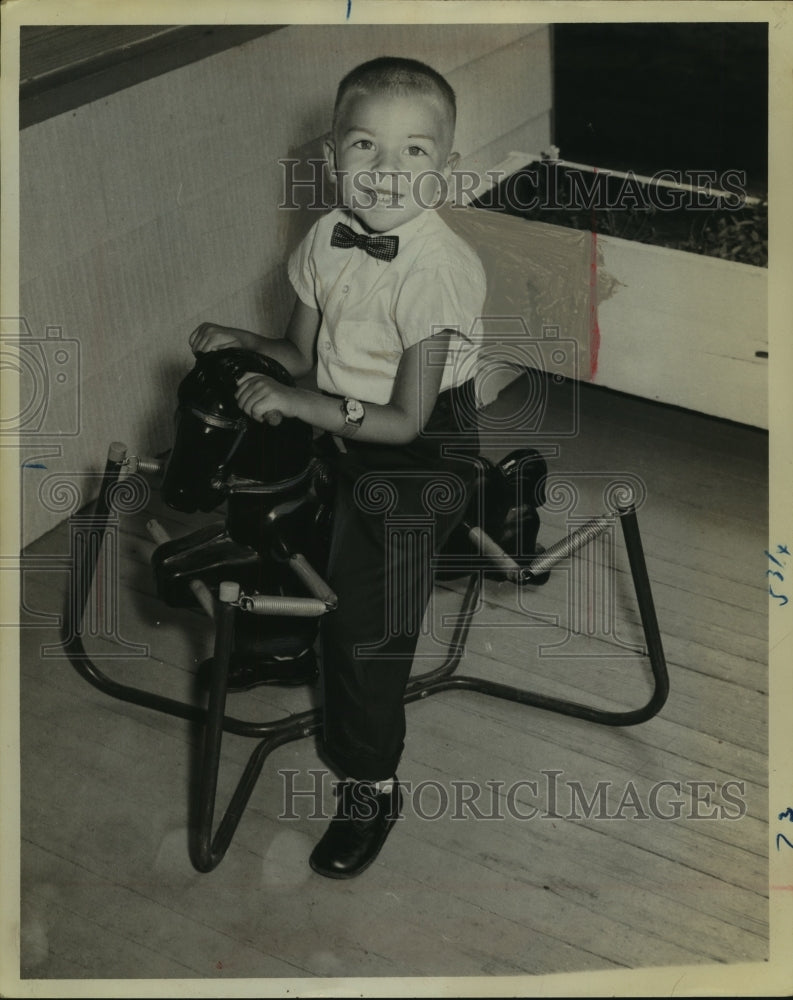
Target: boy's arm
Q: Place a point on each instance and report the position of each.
(295, 350)
(399, 421)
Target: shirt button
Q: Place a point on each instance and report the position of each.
(346, 289)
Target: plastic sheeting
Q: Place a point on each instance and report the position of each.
(545, 284)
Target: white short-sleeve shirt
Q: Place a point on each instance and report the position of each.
(373, 310)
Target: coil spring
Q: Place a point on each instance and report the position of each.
(267, 604)
(570, 544)
(138, 463)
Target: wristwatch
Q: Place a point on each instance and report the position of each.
(353, 412)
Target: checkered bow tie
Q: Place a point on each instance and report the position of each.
(381, 247)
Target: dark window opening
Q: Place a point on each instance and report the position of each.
(664, 96)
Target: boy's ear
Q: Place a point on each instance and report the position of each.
(451, 163)
(329, 149)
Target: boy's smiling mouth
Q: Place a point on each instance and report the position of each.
(376, 198)
(393, 197)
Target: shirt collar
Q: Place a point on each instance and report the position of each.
(406, 232)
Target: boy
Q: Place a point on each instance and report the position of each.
(384, 289)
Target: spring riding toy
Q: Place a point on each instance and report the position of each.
(258, 572)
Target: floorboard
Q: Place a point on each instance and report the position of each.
(654, 851)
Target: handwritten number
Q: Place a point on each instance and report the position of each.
(782, 598)
(781, 836)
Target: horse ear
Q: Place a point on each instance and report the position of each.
(234, 362)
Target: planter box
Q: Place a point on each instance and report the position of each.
(685, 329)
(665, 324)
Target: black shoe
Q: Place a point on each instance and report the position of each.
(363, 820)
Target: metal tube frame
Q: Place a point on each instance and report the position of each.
(208, 850)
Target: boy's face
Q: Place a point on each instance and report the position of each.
(387, 151)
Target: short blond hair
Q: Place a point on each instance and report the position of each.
(395, 75)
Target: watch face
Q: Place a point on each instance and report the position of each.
(354, 410)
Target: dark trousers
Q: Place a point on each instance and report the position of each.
(395, 507)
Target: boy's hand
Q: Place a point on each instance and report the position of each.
(262, 398)
(211, 337)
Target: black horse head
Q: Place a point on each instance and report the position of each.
(215, 439)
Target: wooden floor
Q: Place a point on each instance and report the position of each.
(108, 890)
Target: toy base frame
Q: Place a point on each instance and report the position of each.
(208, 847)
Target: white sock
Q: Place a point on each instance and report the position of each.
(381, 786)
